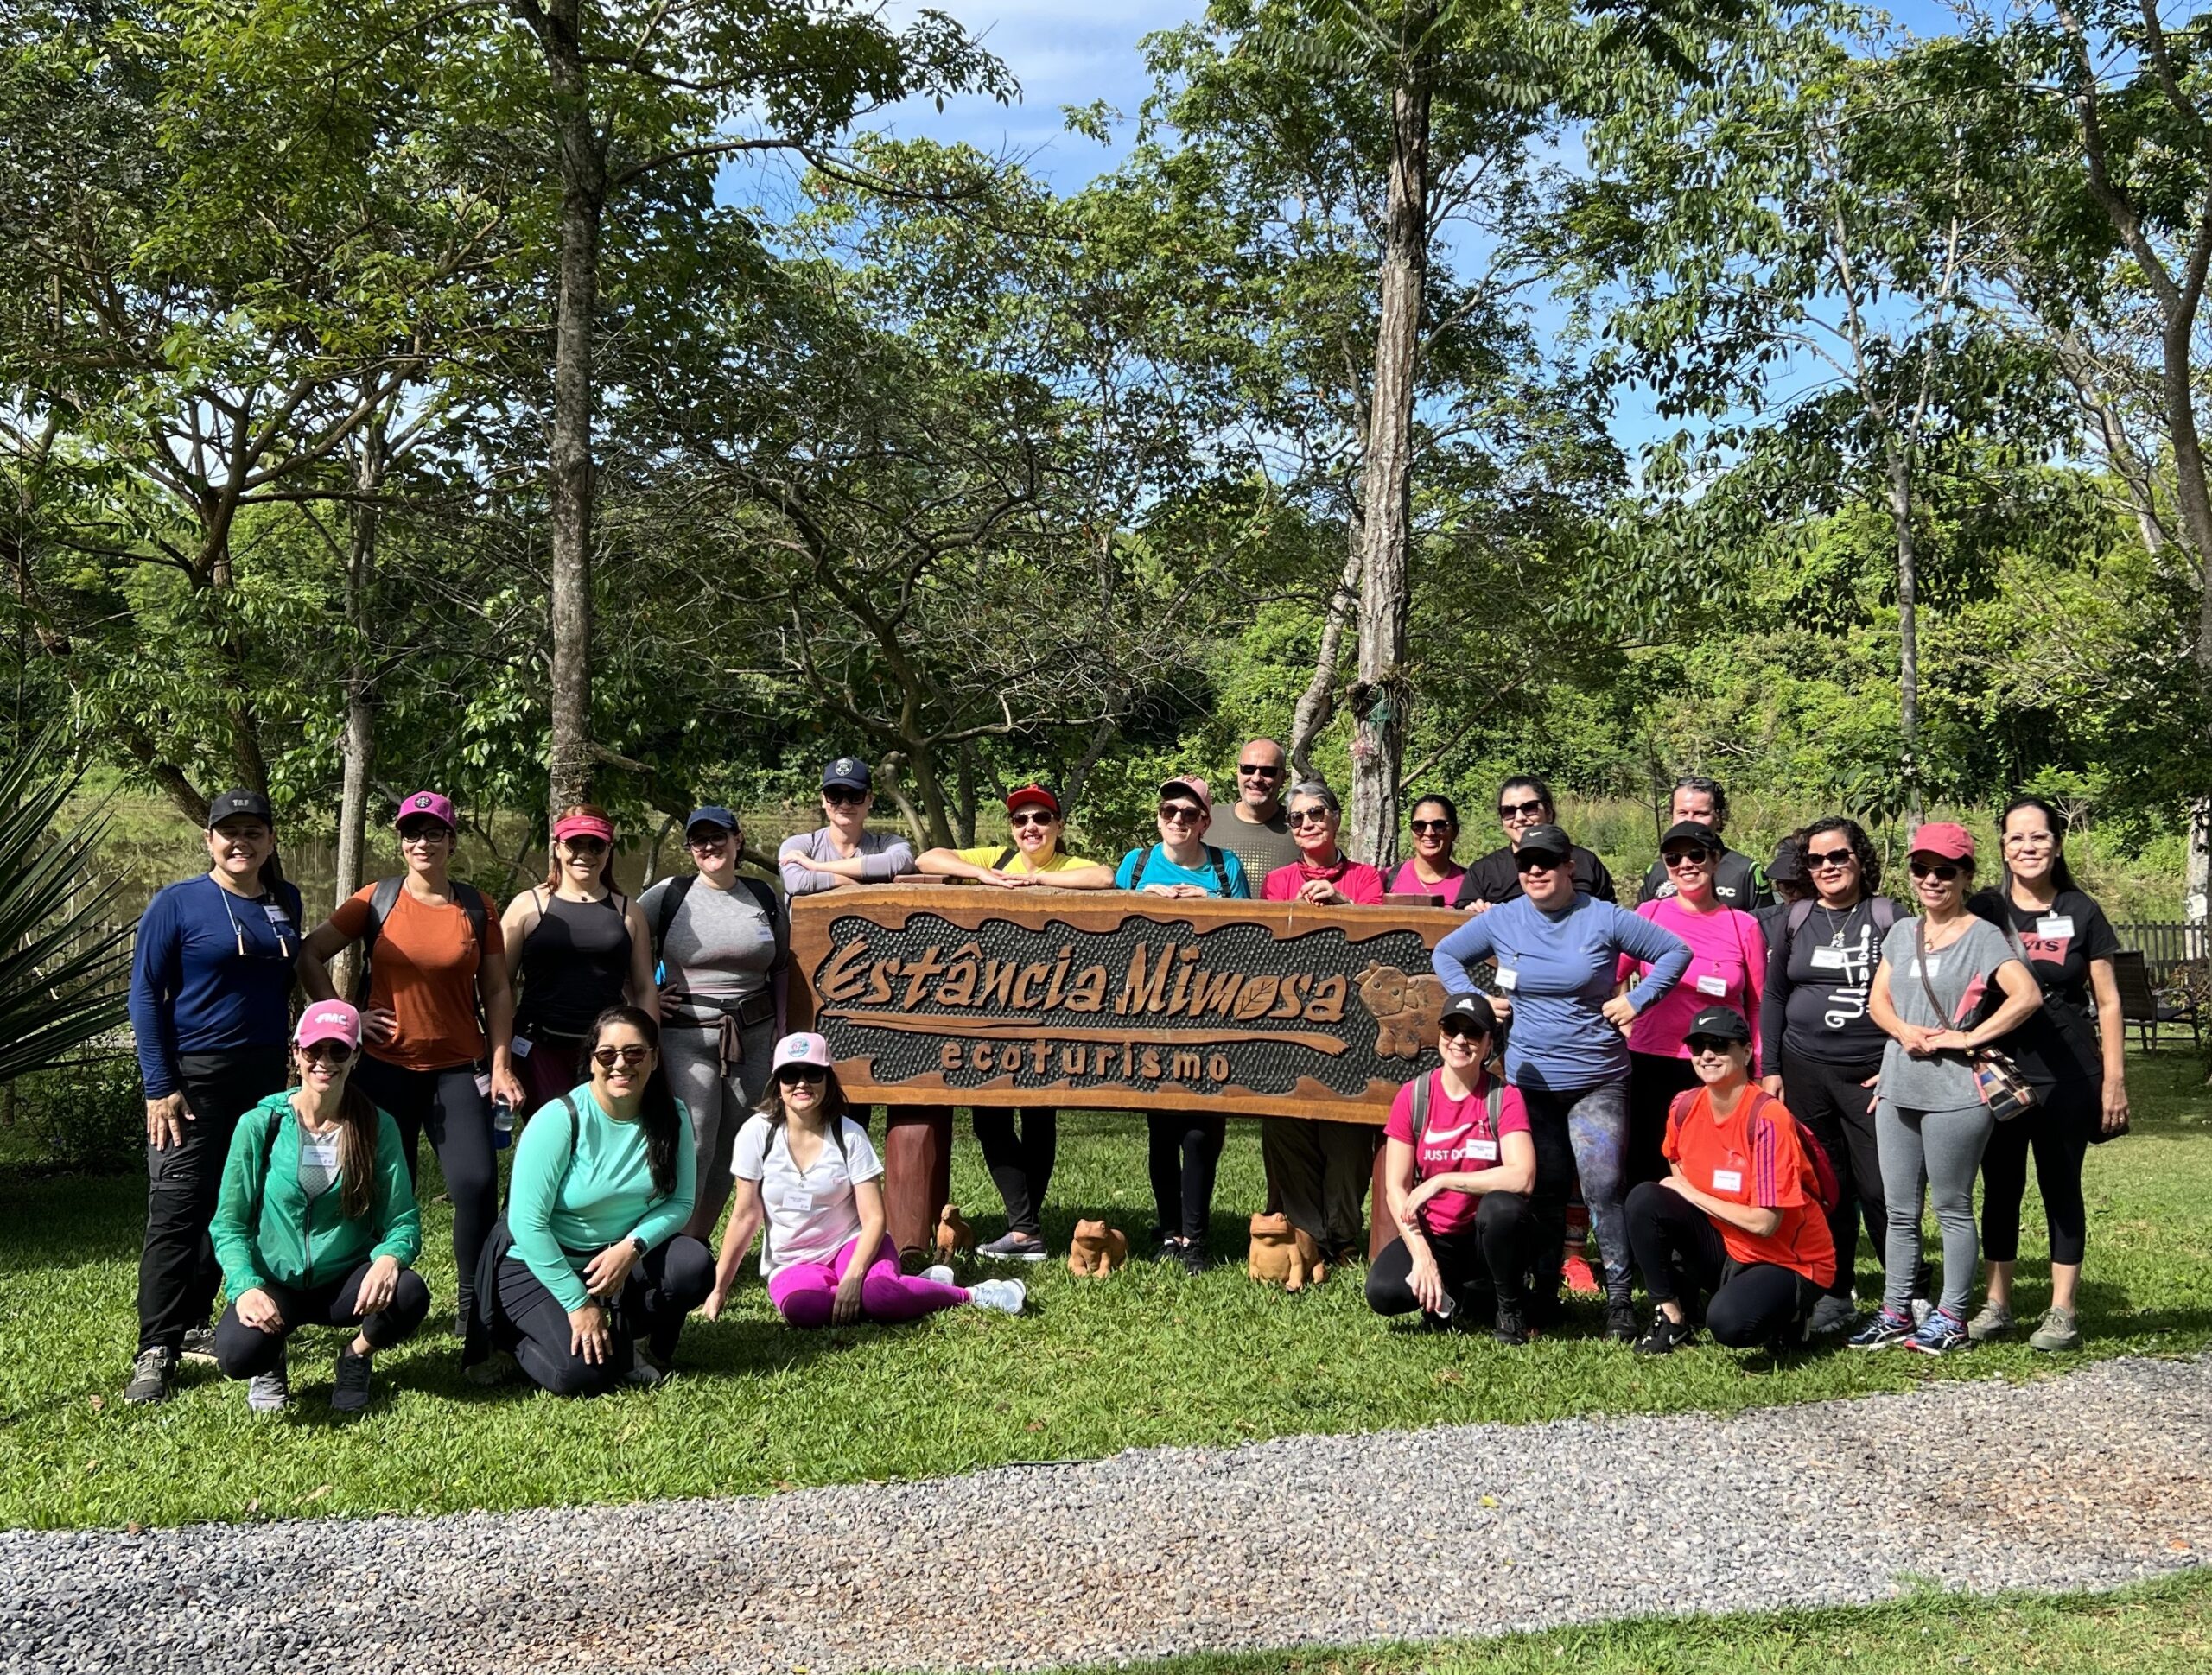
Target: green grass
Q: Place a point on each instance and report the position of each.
(2164, 1626)
(1145, 1357)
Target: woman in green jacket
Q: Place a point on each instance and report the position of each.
(315, 1224)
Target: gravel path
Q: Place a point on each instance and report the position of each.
(2084, 1481)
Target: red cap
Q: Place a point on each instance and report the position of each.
(1029, 794)
(1946, 838)
(584, 826)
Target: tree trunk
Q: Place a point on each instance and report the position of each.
(1900, 470)
(1318, 701)
(358, 752)
(1386, 487)
(968, 793)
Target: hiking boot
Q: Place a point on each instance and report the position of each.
(1885, 1329)
(151, 1376)
(349, 1390)
(2058, 1331)
(1191, 1254)
(1014, 1248)
(1620, 1321)
(1006, 1296)
(1995, 1321)
(1664, 1336)
(1831, 1316)
(1508, 1328)
(199, 1346)
(270, 1392)
(1940, 1334)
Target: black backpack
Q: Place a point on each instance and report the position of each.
(385, 897)
(1213, 856)
(672, 899)
(1880, 909)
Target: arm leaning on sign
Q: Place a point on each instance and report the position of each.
(950, 864)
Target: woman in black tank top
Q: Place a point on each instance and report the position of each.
(574, 946)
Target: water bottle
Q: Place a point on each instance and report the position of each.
(503, 1125)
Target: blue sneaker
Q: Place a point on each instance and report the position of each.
(1882, 1331)
(1940, 1334)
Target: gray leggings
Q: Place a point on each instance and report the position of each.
(719, 1105)
(1939, 1151)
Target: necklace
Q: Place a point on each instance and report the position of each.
(1835, 930)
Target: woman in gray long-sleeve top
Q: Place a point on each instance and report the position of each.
(843, 851)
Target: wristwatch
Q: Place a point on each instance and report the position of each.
(638, 1246)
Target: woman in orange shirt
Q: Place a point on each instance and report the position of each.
(1739, 1215)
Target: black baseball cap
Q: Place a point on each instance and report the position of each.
(1472, 1010)
(1721, 1023)
(1787, 865)
(1546, 840)
(1692, 831)
(231, 805)
(849, 773)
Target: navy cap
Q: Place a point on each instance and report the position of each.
(233, 805)
(1472, 1010)
(712, 814)
(1721, 1023)
(849, 772)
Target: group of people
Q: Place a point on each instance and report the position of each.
(1731, 1077)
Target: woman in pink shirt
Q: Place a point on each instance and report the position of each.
(1431, 872)
(1323, 873)
(1727, 969)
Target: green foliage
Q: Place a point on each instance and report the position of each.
(86, 1116)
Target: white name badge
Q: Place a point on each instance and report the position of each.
(1828, 959)
(801, 1202)
(283, 920)
(1483, 1151)
(1727, 1180)
(1934, 967)
(1508, 980)
(1713, 983)
(2056, 924)
(519, 1047)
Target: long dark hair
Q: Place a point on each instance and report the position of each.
(835, 1107)
(1535, 782)
(2062, 875)
(1869, 863)
(657, 1109)
(358, 1122)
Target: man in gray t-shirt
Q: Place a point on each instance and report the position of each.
(1255, 828)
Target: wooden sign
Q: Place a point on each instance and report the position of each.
(951, 995)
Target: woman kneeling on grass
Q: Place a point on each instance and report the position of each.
(1458, 1168)
(806, 1170)
(1739, 1215)
(316, 1223)
(591, 1256)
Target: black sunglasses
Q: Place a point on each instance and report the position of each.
(1941, 871)
(844, 799)
(1252, 772)
(336, 1051)
(1309, 816)
(1423, 827)
(1458, 1032)
(1029, 817)
(1527, 810)
(791, 1073)
(1181, 813)
(585, 846)
(1688, 857)
(1708, 1043)
(1540, 862)
(629, 1057)
(1831, 858)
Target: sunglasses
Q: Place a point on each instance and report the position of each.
(845, 799)
(336, 1051)
(1539, 862)
(1252, 770)
(1525, 810)
(1832, 858)
(1687, 858)
(1941, 871)
(1029, 817)
(1180, 814)
(628, 1057)
(1461, 1032)
(1310, 816)
(1707, 1046)
(791, 1073)
(1424, 827)
(709, 840)
(429, 831)
(585, 846)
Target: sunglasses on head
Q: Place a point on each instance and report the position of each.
(1258, 771)
(1181, 814)
(336, 1051)
(1028, 817)
(1686, 857)
(1424, 827)
(1309, 816)
(585, 846)
(1539, 862)
(629, 1057)
(1942, 872)
(1834, 858)
(844, 799)
(1530, 810)
(791, 1073)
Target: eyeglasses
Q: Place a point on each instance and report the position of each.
(843, 799)
(1678, 858)
(791, 1073)
(1178, 813)
(1029, 817)
(1837, 858)
(1424, 827)
(2030, 840)
(428, 831)
(628, 1057)
(1309, 816)
(1532, 809)
(1258, 771)
(585, 846)
(1941, 871)
(336, 1051)
(1539, 862)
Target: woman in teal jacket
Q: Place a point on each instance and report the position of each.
(592, 1257)
(315, 1224)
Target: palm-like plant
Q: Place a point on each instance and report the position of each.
(59, 984)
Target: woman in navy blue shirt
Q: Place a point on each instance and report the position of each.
(211, 985)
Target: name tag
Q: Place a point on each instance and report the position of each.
(1727, 1180)
(1483, 1151)
(283, 920)
(1508, 980)
(519, 1047)
(1934, 967)
(2056, 924)
(1713, 983)
(1828, 959)
(801, 1202)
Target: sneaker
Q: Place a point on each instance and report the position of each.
(151, 1376)
(2058, 1331)
(349, 1391)
(199, 1346)
(941, 1274)
(1940, 1334)
(1831, 1315)
(270, 1392)
(1014, 1247)
(1581, 1280)
(1664, 1336)
(1508, 1328)
(1620, 1321)
(1885, 1329)
(645, 1372)
(496, 1368)
(1995, 1321)
(1191, 1254)
(1006, 1296)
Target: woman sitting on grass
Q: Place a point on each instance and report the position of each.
(806, 1171)
(316, 1224)
(1739, 1215)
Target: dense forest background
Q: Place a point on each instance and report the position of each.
(558, 396)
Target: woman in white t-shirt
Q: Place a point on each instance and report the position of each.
(806, 1171)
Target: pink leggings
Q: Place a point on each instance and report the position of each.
(803, 1291)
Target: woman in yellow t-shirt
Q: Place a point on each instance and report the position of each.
(1021, 1161)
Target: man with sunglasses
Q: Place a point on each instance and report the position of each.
(1737, 880)
(843, 850)
(1525, 802)
(1256, 832)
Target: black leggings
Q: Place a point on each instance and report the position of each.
(665, 1285)
(1021, 1163)
(1654, 1079)
(1491, 1258)
(1678, 1248)
(1183, 1151)
(1829, 1099)
(2059, 1129)
(246, 1352)
(446, 1105)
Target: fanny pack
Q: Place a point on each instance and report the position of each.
(729, 1018)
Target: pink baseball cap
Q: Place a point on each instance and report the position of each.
(1946, 838)
(596, 826)
(329, 1020)
(1191, 785)
(803, 1048)
(429, 804)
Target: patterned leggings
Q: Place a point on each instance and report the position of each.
(1581, 1131)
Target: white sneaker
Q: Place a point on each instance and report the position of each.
(270, 1392)
(940, 1273)
(1006, 1296)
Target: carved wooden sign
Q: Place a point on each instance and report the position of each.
(936, 994)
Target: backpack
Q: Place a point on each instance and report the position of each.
(1493, 1109)
(1881, 909)
(385, 897)
(1826, 1187)
(1213, 855)
(672, 899)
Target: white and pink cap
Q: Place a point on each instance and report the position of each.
(329, 1020)
(804, 1048)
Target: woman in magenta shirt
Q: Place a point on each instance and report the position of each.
(1727, 969)
(1431, 872)
(1323, 873)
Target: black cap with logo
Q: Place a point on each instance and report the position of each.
(1721, 1023)
(848, 773)
(233, 805)
(1473, 1010)
(1545, 840)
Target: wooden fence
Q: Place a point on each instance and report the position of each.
(2167, 945)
